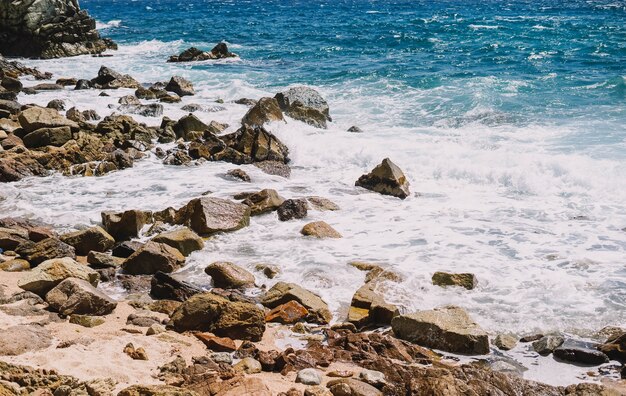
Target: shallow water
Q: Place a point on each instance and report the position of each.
(507, 118)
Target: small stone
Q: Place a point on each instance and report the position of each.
(270, 271)
(309, 376)
(292, 209)
(465, 280)
(322, 204)
(505, 342)
(355, 129)
(155, 329)
(135, 354)
(546, 345)
(340, 374)
(221, 357)
(248, 365)
(299, 328)
(320, 229)
(86, 320)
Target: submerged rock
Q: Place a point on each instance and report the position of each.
(386, 179)
(444, 279)
(449, 328)
(110, 79)
(48, 29)
(304, 104)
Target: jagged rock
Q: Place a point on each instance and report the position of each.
(283, 292)
(448, 328)
(193, 54)
(292, 209)
(224, 318)
(52, 272)
(580, 355)
(229, 276)
(505, 342)
(49, 248)
(90, 239)
(183, 239)
(369, 307)
(386, 179)
(304, 104)
(125, 225)
(546, 345)
(615, 346)
(258, 144)
(48, 29)
(36, 117)
(319, 229)
(264, 201)
(110, 79)
(76, 296)
(208, 215)
(287, 313)
(180, 86)
(264, 111)
(465, 280)
(153, 257)
(239, 174)
(188, 124)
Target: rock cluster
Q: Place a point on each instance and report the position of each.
(193, 54)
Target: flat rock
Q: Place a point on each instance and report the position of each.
(99, 260)
(35, 118)
(449, 328)
(48, 137)
(46, 249)
(185, 240)
(17, 340)
(444, 279)
(52, 272)
(580, 355)
(387, 179)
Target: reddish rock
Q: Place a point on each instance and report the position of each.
(290, 312)
(217, 344)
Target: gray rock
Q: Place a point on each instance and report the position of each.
(546, 345)
(309, 376)
(221, 357)
(180, 86)
(208, 215)
(580, 355)
(373, 377)
(292, 209)
(304, 104)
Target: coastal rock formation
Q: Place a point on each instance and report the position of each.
(449, 328)
(386, 179)
(220, 51)
(48, 29)
(304, 104)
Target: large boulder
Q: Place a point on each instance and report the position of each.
(180, 86)
(46, 249)
(153, 257)
(48, 137)
(319, 229)
(52, 272)
(76, 296)
(386, 179)
(210, 215)
(448, 328)
(615, 347)
(264, 111)
(229, 276)
(48, 29)
(188, 124)
(222, 317)
(90, 239)
(183, 239)
(36, 117)
(264, 201)
(258, 144)
(283, 292)
(165, 286)
(110, 79)
(125, 225)
(304, 104)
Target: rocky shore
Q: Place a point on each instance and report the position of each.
(102, 309)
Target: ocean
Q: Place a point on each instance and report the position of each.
(507, 117)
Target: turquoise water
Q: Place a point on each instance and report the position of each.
(495, 62)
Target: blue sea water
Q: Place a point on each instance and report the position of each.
(495, 62)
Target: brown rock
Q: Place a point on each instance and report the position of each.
(283, 292)
(90, 239)
(153, 257)
(180, 86)
(135, 353)
(264, 201)
(47, 249)
(319, 229)
(209, 215)
(288, 313)
(465, 280)
(185, 240)
(125, 225)
(35, 118)
(229, 276)
(52, 272)
(386, 179)
(264, 111)
(76, 296)
(217, 344)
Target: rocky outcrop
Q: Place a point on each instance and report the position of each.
(220, 316)
(449, 329)
(304, 104)
(386, 179)
(192, 54)
(48, 29)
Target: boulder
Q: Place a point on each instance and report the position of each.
(449, 328)
(125, 225)
(222, 317)
(91, 239)
(304, 104)
(220, 51)
(208, 215)
(292, 209)
(153, 257)
(505, 342)
(57, 104)
(229, 276)
(15, 265)
(283, 292)
(11, 84)
(126, 249)
(615, 346)
(578, 354)
(49, 248)
(546, 345)
(188, 124)
(110, 79)
(76, 296)
(264, 201)
(183, 239)
(10, 238)
(264, 111)
(369, 307)
(319, 229)
(52, 272)
(147, 110)
(258, 144)
(352, 387)
(444, 279)
(309, 376)
(165, 286)
(180, 86)
(100, 260)
(287, 313)
(248, 365)
(48, 29)
(36, 117)
(386, 179)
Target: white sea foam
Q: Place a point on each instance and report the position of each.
(108, 25)
(540, 228)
